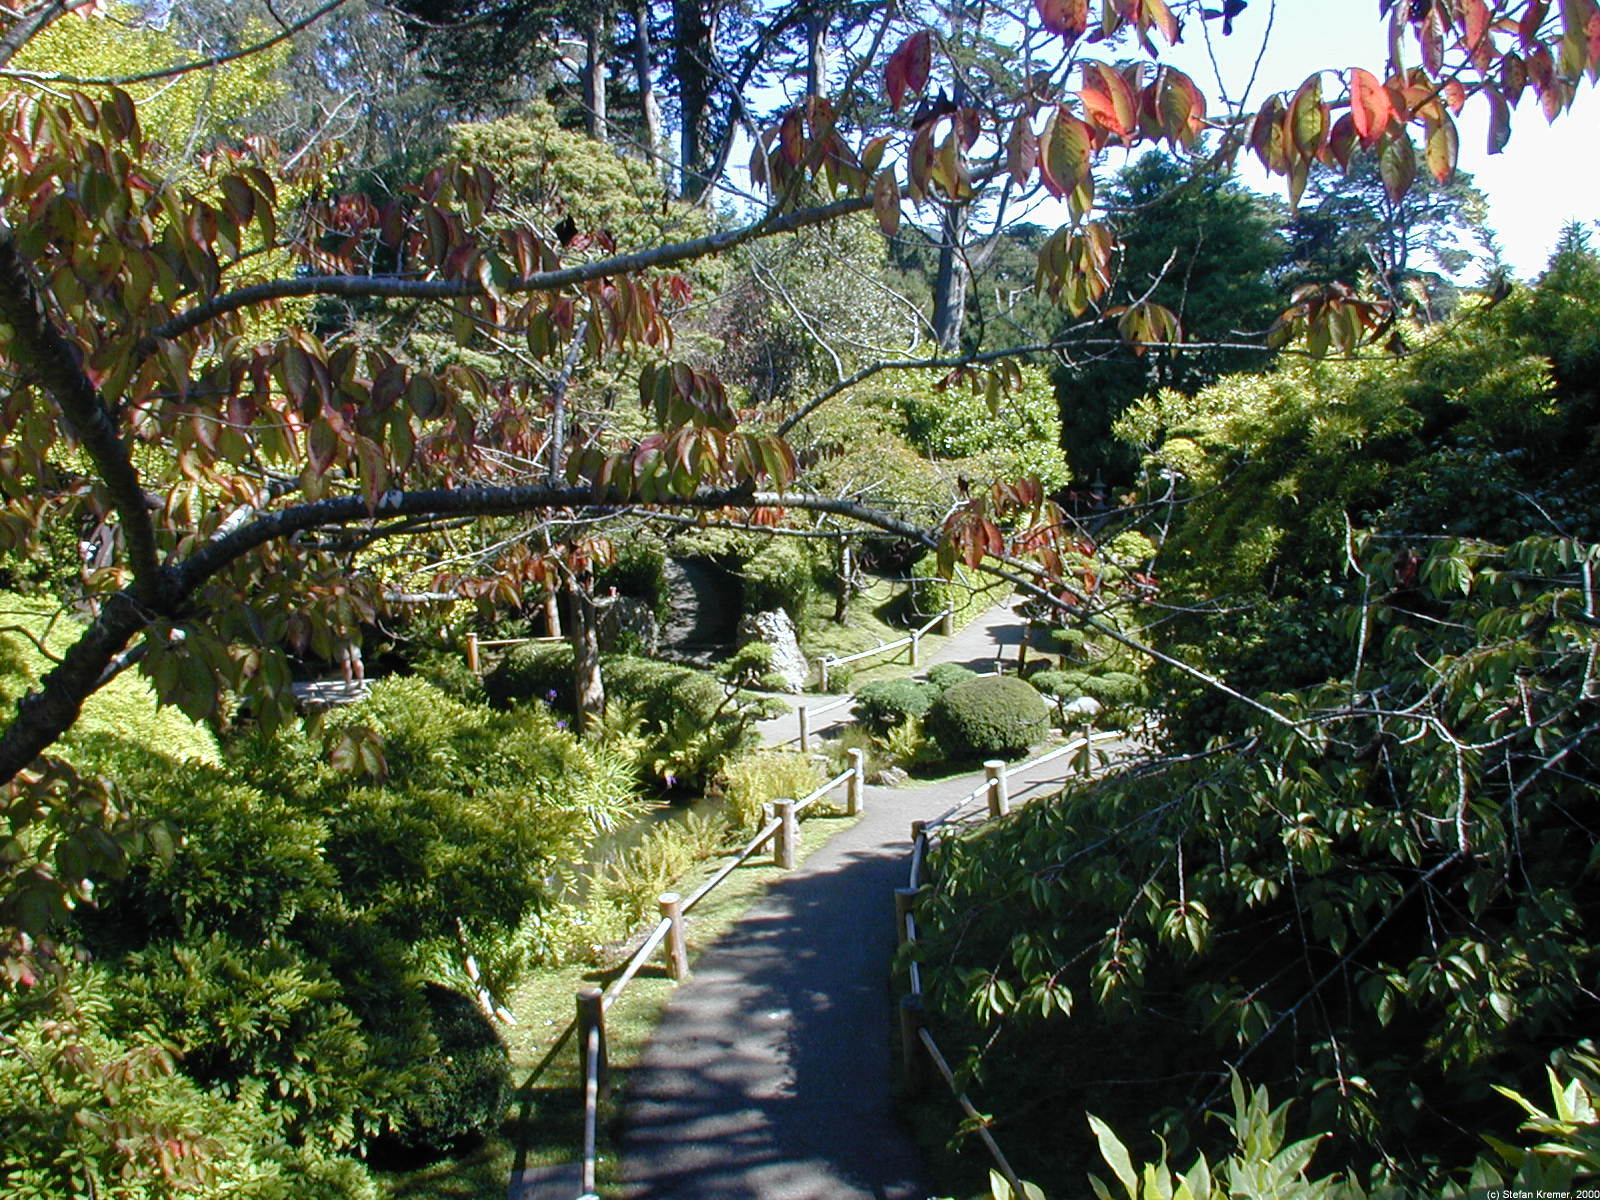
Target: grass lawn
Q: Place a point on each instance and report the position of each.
(875, 616)
(545, 1122)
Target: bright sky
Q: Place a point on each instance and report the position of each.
(1547, 176)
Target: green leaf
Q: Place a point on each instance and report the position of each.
(1116, 1156)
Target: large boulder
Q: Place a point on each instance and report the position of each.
(626, 615)
(776, 629)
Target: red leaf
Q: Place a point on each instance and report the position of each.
(908, 67)
(1370, 107)
(1067, 18)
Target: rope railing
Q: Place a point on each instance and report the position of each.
(913, 640)
(917, 1044)
(781, 831)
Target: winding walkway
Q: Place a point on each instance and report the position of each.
(770, 1074)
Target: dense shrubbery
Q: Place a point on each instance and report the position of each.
(946, 675)
(762, 776)
(638, 570)
(992, 715)
(780, 575)
(886, 704)
(535, 671)
(277, 952)
(1394, 906)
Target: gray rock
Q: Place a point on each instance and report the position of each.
(1084, 708)
(888, 777)
(775, 629)
(621, 615)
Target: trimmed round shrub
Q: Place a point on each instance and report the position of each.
(537, 671)
(667, 694)
(458, 1093)
(946, 675)
(886, 704)
(1114, 689)
(987, 717)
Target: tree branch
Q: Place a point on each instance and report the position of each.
(199, 64)
(396, 287)
(39, 349)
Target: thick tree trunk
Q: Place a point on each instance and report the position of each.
(950, 285)
(644, 79)
(691, 57)
(588, 692)
(595, 42)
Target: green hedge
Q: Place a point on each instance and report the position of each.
(946, 675)
(537, 671)
(966, 593)
(667, 694)
(996, 715)
(889, 703)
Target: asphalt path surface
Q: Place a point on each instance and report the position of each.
(770, 1075)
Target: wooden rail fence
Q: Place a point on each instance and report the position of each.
(944, 620)
(781, 831)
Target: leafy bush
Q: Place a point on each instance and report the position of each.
(84, 1112)
(886, 704)
(1361, 905)
(966, 593)
(638, 570)
(459, 1090)
(946, 675)
(780, 575)
(992, 715)
(280, 948)
(447, 670)
(761, 776)
(536, 671)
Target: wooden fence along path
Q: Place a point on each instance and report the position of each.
(911, 643)
(781, 832)
(919, 1050)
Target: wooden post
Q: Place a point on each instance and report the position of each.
(677, 950)
(783, 844)
(805, 728)
(947, 623)
(472, 653)
(912, 1018)
(919, 833)
(904, 898)
(999, 798)
(592, 1015)
(552, 614)
(822, 673)
(916, 640)
(855, 789)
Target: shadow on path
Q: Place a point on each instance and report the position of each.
(769, 1074)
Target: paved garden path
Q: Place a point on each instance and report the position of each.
(769, 1076)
